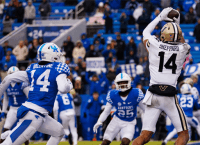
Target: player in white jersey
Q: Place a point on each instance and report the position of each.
(46, 77)
(125, 99)
(15, 95)
(64, 105)
(166, 58)
(187, 101)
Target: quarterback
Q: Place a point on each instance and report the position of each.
(125, 99)
(166, 58)
(46, 78)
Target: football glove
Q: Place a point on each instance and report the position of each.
(177, 20)
(96, 126)
(163, 15)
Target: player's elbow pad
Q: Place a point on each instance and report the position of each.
(66, 87)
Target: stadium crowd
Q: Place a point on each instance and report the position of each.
(138, 13)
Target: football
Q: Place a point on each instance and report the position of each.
(173, 14)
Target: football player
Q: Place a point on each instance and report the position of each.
(46, 77)
(125, 99)
(64, 104)
(15, 95)
(166, 58)
(187, 101)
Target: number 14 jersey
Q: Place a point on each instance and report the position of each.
(165, 61)
(44, 87)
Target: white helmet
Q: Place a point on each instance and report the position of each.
(49, 52)
(185, 89)
(12, 69)
(120, 78)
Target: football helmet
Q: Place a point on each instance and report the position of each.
(12, 69)
(171, 32)
(189, 81)
(49, 52)
(185, 89)
(122, 77)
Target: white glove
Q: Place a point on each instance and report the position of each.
(163, 15)
(96, 126)
(177, 20)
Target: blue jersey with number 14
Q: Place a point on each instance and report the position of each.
(44, 87)
(125, 110)
(187, 102)
(65, 101)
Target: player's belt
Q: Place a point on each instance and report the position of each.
(163, 90)
(37, 112)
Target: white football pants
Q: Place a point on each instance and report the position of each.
(11, 117)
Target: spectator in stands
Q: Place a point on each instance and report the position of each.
(156, 31)
(7, 62)
(148, 6)
(29, 14)
(197, 31)
(190, 17)
(68, 47)
(45, 9)
(106, 52)
(115, 4)
(98, 47)
(121, 46)
(7, 25)
(182, 18)
(12, 57)
(131, 58)
(112, 69)
(195, 79)
(100, 9)
(78, 51)
(1, 53)
(165, 3)
(143, 21)
(108, 16)
(131, 5)
(71, 2)
(21, 52)
(32, 53)
(26, 43)
(92, 52)
(141, 50)
(95, 83)
(78, 85)
(11, 11)
(85, 41)
(1, 9)
(109, 58)
(40, 41)
(20, 13)
(15, 3)
(138, 12)
(197, 8)
(131, 46)
(100, 38)
(123, 23)
(155, 14)
(145, 62)
(6, 46)
(139, 86)
(89, 6)
(187, 4)
(94, 107)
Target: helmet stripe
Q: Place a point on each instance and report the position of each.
(40, 51)
(121, 76)
(175, 31)
(13, 68)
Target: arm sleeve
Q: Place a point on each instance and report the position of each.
(55, 110)
(147, 31)
(105, 113)
(26, 91)
(89, 103)
(5, 103)
(142, 106)
(17, 77)
(87, 77)
(64, 84)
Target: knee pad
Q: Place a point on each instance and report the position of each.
(125, 141)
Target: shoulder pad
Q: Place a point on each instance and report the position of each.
(110, 96)
(63, 68)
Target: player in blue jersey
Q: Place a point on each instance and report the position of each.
(125, 99)
(187, 101)
(46, 78)
(15, 95)
(65, 106)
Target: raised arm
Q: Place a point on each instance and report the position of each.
(17, 77)
(103, 116)
(64, 84)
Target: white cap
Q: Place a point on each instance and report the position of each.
(101, 4)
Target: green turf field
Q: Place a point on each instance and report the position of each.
(98, 142)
